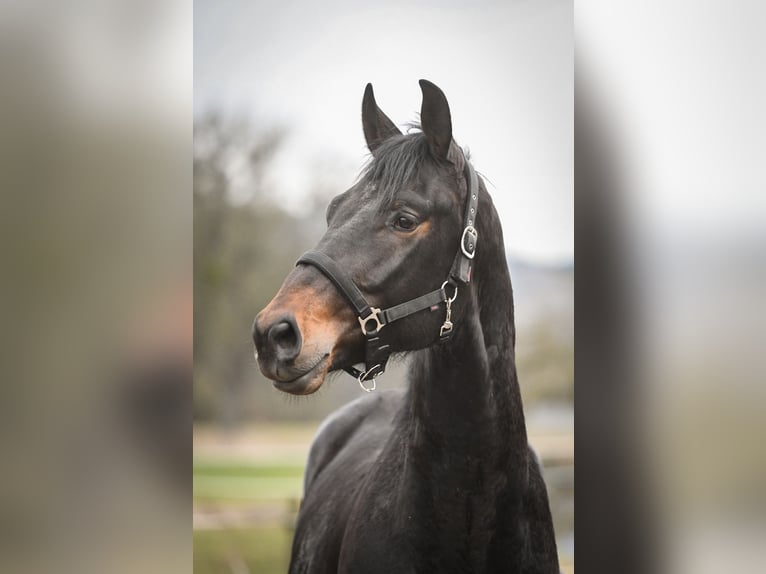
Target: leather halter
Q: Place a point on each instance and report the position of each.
(373, 319)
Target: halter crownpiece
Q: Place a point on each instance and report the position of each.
(372, 319)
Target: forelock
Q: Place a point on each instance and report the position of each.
(395, 165)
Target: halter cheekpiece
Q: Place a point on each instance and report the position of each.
(372, 319)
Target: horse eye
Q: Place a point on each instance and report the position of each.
(405, 223)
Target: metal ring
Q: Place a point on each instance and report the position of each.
(454, 295)
(371, 317)
(364, 377)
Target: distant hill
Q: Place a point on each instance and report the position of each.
(544, 313)
(542, 291)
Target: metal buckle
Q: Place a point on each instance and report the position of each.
(369, 375)
(470, 230)
(373, 316)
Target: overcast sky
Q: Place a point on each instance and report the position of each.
(506, 68)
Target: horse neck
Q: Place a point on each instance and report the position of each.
(465, 394)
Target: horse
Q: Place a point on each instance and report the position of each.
(437, 477)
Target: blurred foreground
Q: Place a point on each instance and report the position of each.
(95, 295)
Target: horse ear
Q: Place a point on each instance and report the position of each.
(435, 119)
(376, 125)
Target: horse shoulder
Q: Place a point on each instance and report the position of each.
(338, 430)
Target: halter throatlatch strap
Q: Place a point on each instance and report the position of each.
(372, 320)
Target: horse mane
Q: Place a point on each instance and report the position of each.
(396, 164)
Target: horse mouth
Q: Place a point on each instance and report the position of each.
(307, 383)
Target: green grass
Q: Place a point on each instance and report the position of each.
(246, 488)
(261, 550)
(224, 482)
(207, 468)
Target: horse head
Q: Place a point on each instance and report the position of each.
(394, 234)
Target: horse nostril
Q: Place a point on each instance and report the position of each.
(285, 339)
(282, 334)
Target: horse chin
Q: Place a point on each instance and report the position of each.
(307, 383)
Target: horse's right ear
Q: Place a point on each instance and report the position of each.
(377, 126)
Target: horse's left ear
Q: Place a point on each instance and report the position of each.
(436, 122)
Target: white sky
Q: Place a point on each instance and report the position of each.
(506, 68)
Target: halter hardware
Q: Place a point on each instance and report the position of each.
(374, 316)
(370, 375)
(468, 241)
(446, 329)
(372, 319)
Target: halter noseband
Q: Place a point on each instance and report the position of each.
(373, 319)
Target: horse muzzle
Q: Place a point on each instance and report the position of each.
(302, 332)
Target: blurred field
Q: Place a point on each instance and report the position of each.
(248, 483)
(241, 550)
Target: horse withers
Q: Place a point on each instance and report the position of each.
(439, 477)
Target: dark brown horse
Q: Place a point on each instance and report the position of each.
(438, 478)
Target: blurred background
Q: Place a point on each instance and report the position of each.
(95, 246)
(277, 133)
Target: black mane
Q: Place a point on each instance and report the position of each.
(396, 165)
